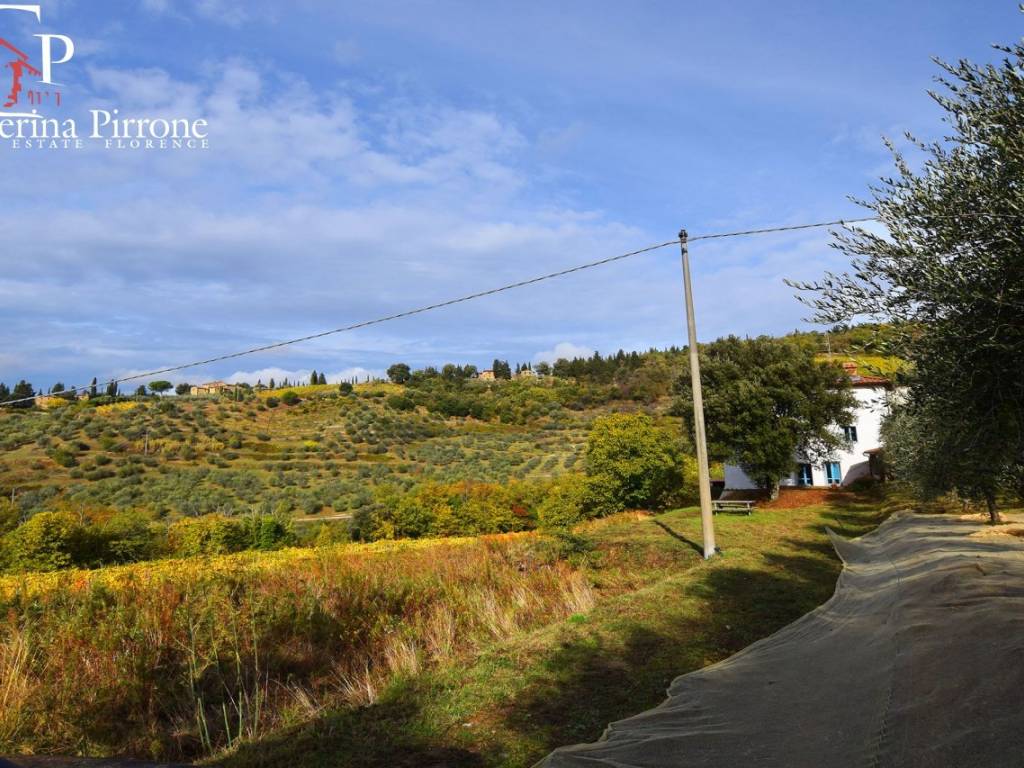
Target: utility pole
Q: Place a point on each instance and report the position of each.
(707, 522)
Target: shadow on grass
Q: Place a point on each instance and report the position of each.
(679, 537)
(568, 694)
(388, 733)
(590, 681)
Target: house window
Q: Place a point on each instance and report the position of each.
(804, 476)
(833, 474)
(850, 433)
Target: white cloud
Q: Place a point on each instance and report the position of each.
(228, 12)
(273, 127)
(300, 220)
(563, 349)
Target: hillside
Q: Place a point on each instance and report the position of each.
(321, 456)
(455, 652)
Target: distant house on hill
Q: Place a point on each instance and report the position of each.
(212, 388)
(860, 458)
(486, 375)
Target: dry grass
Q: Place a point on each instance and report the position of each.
(181, 659)
(15, 686)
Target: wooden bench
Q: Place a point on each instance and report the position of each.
(729, 505)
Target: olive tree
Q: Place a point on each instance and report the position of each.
(949, 272)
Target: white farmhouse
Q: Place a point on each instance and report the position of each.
(860, 456)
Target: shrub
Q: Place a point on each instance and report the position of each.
(129, 538)
(207, 535)
(631, 463)
(565, 503)
(9, 516)
(63, 457)
(289, 398)
(49, 541)
(266, 532)
(400, 403)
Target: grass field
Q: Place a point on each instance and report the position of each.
(659, 611)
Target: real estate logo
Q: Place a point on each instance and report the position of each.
(21, 64)
(26, 115)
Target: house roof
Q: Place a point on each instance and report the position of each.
(858, 380)
(870, 381)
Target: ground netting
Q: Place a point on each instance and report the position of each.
(917, 660)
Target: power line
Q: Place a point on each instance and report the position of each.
(462, 299)
(791, 228)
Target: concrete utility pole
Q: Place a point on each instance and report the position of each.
(707, 521)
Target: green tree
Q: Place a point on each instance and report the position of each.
(208, 535)
(323, 378)
(130, 538)
(949, 275)
(314, 378)
(160, 386)
(21, 391)
(631, 463)
(267, 532)
(345, 388)
(399, 373)
(501, 369)
(564, 504)
(93, 390)
(766, 402)
(183, 389)
(10, 515)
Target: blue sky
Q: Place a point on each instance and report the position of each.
(367, 157)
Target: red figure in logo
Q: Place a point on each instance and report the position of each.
(18, 69)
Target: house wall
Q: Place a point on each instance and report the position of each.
(872, 403)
